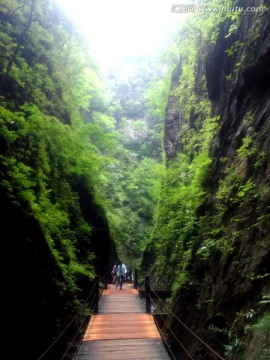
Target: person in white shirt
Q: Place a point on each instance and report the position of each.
(121, 272)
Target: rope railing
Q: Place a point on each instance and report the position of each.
(94, 293)
(74, 339)
(163, 338)
(150, 296)
(152, 306)
(173, 334)
(149, 300)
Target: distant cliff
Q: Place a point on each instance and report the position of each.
(215, 252)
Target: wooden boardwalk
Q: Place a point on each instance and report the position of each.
(122, 329)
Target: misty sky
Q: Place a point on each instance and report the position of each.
(117, 28)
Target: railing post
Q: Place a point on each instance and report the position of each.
(147, 294)
(96, 295)
(135, 280)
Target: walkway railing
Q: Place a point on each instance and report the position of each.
(90, 305)
(151, 296)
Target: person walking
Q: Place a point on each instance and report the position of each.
(115, 278)
(121, 272)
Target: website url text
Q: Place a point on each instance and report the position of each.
(188, 8)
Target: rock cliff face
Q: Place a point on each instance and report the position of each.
(240, 280)
(174, 119)
(228, 300)
(38, 301)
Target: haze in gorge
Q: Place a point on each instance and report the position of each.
(118, 30)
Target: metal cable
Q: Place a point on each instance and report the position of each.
(71, 322)
(75, 336)
(174, 335)
(168, 346)
(187, 328)
(176, 338)
(74, 356)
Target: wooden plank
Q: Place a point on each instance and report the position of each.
(123, 349)
(122, 330)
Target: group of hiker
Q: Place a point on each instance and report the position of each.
(120, 275)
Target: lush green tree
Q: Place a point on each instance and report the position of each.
(56, 128)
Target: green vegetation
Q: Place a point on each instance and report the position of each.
(61, 133)
(54, 138)
(203, 218)
(91, 168)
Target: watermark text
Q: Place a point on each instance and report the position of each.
(191, 8)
